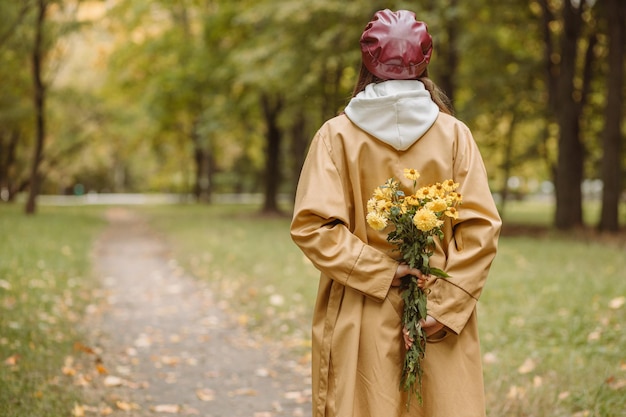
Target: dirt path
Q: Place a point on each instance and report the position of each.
(167, 348)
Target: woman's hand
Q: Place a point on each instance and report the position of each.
(404, 270)
(430, 327)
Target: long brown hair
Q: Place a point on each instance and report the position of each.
(436, 93)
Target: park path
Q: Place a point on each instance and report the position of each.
(163, 346)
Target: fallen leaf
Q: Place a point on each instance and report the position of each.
(615, 383)
(293, 395)
(113, 381)
(490, 358)
(102, 370)
(12, 360)
(166, 408)
(126, 406)
(78, 411)
(243, 319)
(244, 391)
(617, 302)
(594, 335)
(205, 394)
(83, 348)
(527, 367)
(106, 411)
(277, 300)
(82, 380)
(143, 341)
(516, 392)
(563, 395)
(68, 370)
(170, 360)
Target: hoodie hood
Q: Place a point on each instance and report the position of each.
(397, 112)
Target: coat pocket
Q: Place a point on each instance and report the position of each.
(438, 336)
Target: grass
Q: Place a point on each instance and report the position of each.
(44, 287)
(551, 317)
(541, 213)
(552, 324)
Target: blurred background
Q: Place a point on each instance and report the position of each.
(209, 106)
(197, 100)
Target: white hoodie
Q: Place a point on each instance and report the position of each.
(397, 112)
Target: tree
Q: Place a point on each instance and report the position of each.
(615, 11)
(39, 99)
(566, 103)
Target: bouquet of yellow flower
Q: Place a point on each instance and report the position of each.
(417, 219)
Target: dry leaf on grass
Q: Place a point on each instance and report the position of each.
(616, 383)
(594, 336)
(617, 303)
(527, 367)
(12, 360)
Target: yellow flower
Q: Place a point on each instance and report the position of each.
(381, 194)
(438, 190)
(376, 221)
(452, 213)
(411, 174)
(437, 205)
(454, 198)
(371, 205)
(450, 185)
(426, 220)
(423, 193)
(411, 200)
(383, 206)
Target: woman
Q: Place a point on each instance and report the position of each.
(396, 119)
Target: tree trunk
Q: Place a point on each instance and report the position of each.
(7, 160)
(612, 137)
(271, 111)
(203, 160)
(39, 101)
(299, 142)
(450, 54)
(507, 164)
(569, 169)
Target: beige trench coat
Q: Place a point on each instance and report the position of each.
(358, 349)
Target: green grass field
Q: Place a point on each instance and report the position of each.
(552, 314)
(45, 284)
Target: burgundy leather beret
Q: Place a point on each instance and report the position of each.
(395, 46)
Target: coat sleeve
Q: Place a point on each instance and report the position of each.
(473, 245)
(321, 227)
